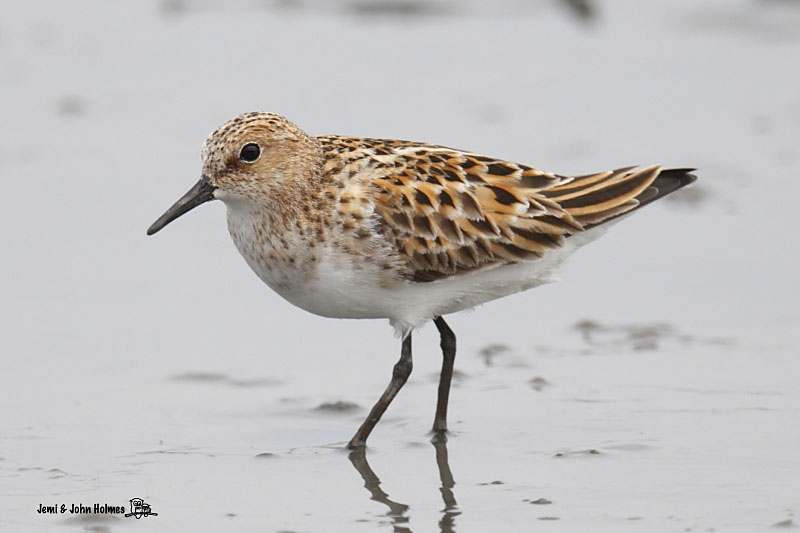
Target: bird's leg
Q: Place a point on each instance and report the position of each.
(400, 373)
(448, 344)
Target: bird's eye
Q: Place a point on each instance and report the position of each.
(250, 152)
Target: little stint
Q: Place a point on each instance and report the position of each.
(351, 227)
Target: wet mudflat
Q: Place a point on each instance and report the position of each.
(653, 389)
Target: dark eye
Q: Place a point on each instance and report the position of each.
(250, 152)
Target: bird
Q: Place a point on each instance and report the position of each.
(364, 228)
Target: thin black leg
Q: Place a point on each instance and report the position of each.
(400, 373)
(448, 344)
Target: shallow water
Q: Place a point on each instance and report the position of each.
(654, 389)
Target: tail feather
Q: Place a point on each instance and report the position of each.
(667, 182)
(598, 198)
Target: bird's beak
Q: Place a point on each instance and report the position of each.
(202, 192)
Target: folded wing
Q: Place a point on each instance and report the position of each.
(449, 212)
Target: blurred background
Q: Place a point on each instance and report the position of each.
(654, 388)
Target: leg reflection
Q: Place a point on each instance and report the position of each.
(450, 511)
(397, 511)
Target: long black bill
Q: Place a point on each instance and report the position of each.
(202, 192)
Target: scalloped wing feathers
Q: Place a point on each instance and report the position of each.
(447, 211)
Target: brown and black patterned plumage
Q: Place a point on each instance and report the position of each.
(448, 211)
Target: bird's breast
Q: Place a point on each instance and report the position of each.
(316, 270)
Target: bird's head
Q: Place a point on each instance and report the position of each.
(247, 159)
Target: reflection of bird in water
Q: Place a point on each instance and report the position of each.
(450, 511)
(398, 512)
(347, 227)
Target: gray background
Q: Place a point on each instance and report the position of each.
(162, 368)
